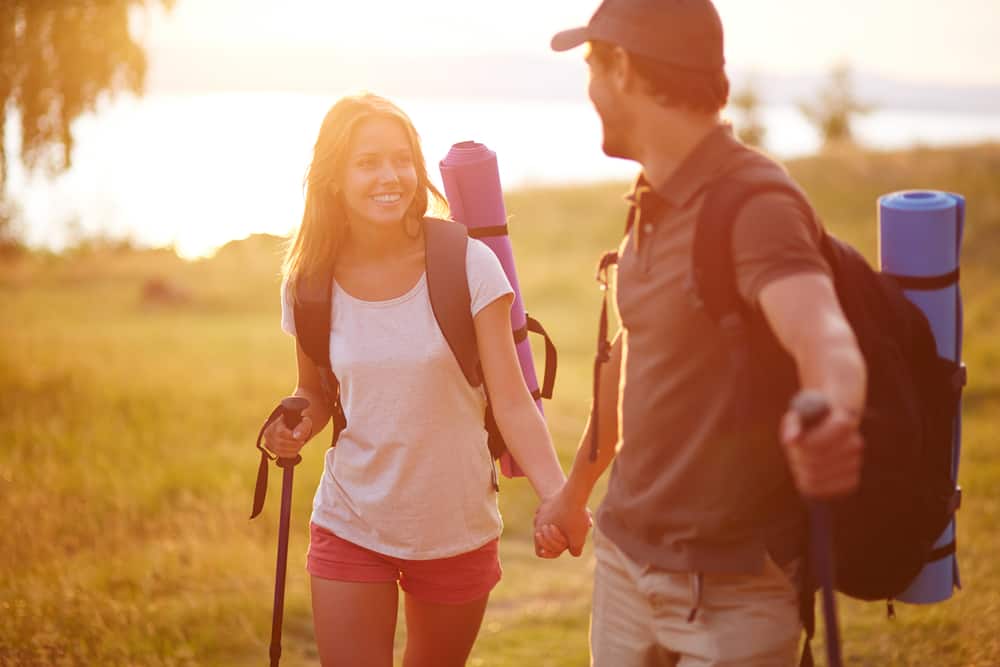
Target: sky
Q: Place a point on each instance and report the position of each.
(480, 69)
(910, 40)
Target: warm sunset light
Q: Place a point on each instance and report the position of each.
(236, 91)
(455, 333)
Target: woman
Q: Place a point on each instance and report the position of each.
(406, 495)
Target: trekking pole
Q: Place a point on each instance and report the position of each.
(290, 410)
(813, 409)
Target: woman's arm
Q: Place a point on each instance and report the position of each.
(286, 442)
(520, 423)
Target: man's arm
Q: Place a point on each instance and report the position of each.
(805, 315)
(585, 473)
(563, 509)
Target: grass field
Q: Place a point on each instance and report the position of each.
(127, 462)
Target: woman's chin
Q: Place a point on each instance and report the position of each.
(382, 220)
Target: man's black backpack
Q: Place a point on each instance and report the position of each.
(447, 283)
(884, 534)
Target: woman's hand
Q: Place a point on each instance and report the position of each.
(561, 524)
(549, 541)
(284, 442)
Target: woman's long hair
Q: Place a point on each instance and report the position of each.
(324, 221)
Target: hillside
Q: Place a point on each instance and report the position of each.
(127, 423)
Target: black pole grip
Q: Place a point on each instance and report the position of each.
(812, 408)
(291, 410)
(291, 414)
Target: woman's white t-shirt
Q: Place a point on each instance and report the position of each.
(411, 475)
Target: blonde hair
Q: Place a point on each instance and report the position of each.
(324, 225)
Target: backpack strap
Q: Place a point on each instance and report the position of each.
(712, 283)
(712, 287)
(445, 249)
(446, 243)
(603, 354)
(713, 275)
(551, 359)
(313, 311)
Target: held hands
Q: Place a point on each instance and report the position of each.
(560, 524)
(825, 460)
(284, 442)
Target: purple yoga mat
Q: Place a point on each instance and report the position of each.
(472, 186)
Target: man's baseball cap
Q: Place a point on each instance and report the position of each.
(683, 33)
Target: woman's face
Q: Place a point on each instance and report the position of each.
(380, 178)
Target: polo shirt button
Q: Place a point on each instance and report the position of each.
(648, 228)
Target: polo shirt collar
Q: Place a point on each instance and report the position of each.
(701, 165)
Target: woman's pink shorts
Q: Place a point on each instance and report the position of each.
(453, 580)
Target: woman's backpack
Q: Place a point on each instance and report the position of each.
(448, 286)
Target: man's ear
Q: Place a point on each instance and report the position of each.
(627, 78)
(620, 69)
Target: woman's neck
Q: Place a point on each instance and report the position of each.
(366, 241)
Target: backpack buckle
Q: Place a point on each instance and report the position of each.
(960, 378)
(732, 326)
(693, 293)
(956, 500)
(607, 260)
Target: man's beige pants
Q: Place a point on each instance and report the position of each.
(640, 616)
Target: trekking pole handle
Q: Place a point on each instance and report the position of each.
(812, 408)
(291, 413)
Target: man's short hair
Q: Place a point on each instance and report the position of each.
(695, 90)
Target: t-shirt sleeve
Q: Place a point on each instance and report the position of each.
(287, 314)
(487, 280)
(774, 237)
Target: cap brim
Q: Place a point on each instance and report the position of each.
(569, 39)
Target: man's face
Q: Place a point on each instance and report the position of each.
(608, 102)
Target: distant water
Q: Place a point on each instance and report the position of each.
(199, 170)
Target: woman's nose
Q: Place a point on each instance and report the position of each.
(387, 173)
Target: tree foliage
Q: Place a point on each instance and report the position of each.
(833, 112)
(750, 129)
(56, 58)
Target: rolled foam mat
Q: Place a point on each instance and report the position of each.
(472, 185)
(920, 236)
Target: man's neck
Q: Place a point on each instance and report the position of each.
(665, 137)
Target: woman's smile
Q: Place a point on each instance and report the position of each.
(380, 179)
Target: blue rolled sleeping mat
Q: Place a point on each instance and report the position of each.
(920, 236)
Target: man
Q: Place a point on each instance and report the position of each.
(700, 537)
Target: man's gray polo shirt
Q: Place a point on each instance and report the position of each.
(683, 495)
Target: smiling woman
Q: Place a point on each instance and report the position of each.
(367, 148)
(410, 496)
(379, 180)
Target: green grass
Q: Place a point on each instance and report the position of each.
(127, 461)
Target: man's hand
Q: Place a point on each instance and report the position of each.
(561, 523)
(825, 460)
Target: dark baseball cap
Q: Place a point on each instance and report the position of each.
(682, 33)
